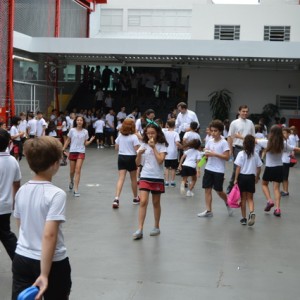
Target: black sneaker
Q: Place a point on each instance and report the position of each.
(136, 201)
(115, 204)
(243, 221)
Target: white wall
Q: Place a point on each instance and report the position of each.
(251, 18)
(252, 87)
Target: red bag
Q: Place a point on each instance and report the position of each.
(233, 197)
(293, 160)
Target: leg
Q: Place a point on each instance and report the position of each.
(166, 175)
(78, 166)
(250, 202)
(156, 209)
(72, 170)
(121, 179)
(223, 196)
(266, 191)
(144, 197)
(208, 199)
(7, 237)
(285, 186)
(133, 183)
(193, 182)
(243, 204)
(230, 185)
(277, 196)
(173, 173)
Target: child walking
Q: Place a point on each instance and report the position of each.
(188, 166)
(246, 176)
(217, 152)
(274, 148)
(171, 160)
(154, 148)
(10, 176)
(78, 137)
(99, 126)
(127, 144)
(41, 258)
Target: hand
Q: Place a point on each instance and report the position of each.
(238, 136)
(235, 181)
(151, 143)
(42, 284)
(92, 138)
(179, 168)
(141, 150)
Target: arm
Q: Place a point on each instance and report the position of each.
(160, 156)
(181, 161)
(15, 188)
(138, 159)
(88, 142)
(67, 142)
(229, 140)
(257, 177)
(237, 173)
(224, 155)
(49, 241)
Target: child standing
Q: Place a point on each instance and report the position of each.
(217, 152)
(99, 129)
(188, 166)
(154, 148)
(171, 160)
(274, 147)
(127, 144)
(16, 136)
(246, 176)
(286, 156)
(191, 134)
(78, 137)
(10, 177)
(41, 258)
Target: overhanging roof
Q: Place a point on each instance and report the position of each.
(161, 52)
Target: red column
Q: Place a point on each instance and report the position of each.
(9, 101)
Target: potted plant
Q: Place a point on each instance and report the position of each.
(269, 112)
(220, 104)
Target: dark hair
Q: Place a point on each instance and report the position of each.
(282, 120)
(194, 125)
(15, 120)
(75, 122)
(128, 127)
(160, 135)
(287, 130)
(258, 128)
(182, 105)
(51, 126)
(31, 115)
(217, 124)
(195, 144)
(226, 124)
(249, 145)
(42, 152)
(171, 123)
(4, 139)
(275, 141)
(149, 111)
(243, 107)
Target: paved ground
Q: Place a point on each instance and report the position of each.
(193, 258)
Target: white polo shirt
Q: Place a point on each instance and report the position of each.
(36, 203)
(243, 127)
(127, 143)
(9, 173)
(78, 138)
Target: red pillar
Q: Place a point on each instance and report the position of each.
(9, 101)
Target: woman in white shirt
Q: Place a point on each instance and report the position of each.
(78, 137)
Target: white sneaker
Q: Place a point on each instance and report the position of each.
(189, 194)
(101, 147)
(205, 214)
(182, 188)
(230, 211)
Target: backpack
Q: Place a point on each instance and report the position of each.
(233, 197)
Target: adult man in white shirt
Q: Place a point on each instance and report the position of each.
(184, 119)
(238, 129)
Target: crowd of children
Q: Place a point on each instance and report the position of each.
(149, 152)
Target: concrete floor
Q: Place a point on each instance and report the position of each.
(193, 258)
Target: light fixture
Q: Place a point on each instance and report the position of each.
(23, 58)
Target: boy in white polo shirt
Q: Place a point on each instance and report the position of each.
(40, 257)
(10, 177)
(217, 152)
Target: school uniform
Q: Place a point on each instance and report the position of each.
(171, 160)
(77, 146)
(249, 165)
